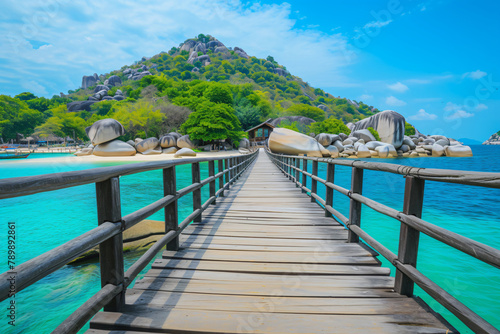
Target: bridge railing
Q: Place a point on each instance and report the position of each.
(108, 235)
(296, 169)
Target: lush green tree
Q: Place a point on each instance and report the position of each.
(289, 125)
(102, 108)
(219, 93)
(139, 116)
(16, 117)
(330, 125)
(248, 115)
(213, 121)
(62, 124)
(409, 129)
(306, 111)
(25, 96)
(374, 133)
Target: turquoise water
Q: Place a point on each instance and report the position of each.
(46, 220)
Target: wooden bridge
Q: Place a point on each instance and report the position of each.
(265, 259)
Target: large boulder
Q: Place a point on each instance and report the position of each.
(185, 142)
(244, 143)
(114, 80)
(89, 81)
(338, 145)
(147, 144)
(170, 150)
(386, 151)
(408, 141)
(188, 45)
(98, 88)
(84, 151)
(104, 130)
(114, 148)
(80, 105)
(288, 141)
(176, 135)
(389, 124)
(363, 151)
(168, 141)
(437, 150)
(101, 94)
(334, 151)
(185, 152)
(153, 151)
(458, 151)
(324, 139)
(373, 144)
(241, 53)
(364, 134)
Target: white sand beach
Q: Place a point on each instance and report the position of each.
(136, 158)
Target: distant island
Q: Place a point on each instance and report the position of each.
(493, 140)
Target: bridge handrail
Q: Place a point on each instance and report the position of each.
(111, 224)
(411, 223)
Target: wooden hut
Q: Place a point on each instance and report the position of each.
(261, 132)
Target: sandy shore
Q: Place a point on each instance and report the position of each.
(136, 158)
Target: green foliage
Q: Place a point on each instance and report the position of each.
(498, 133)
(330, 125)
(213, 121)
(25, 96)
(102, 108)
(62, 124)
(374, 133)
(409, 129)
(141, 116)
(16, 117)
(289, 125)
(306, 111)
(248, 114)
(219, 93)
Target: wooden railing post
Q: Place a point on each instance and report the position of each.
(314, 183)
(355, 208)
(111, 250)
(211, 172)
(408, 236)
(227, 175)
(195, 172)
(171, 217)
(304, 176)
(221, 179)
(330, 177)
(297, 172)
(290, 162)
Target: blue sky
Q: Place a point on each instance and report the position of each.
(435, 62)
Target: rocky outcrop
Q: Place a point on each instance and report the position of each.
(104, 130)
(89, 81)
(114, 80)
(168, 141)
(80, 105)
(147, 144)
(114, 148)
(240, 52)
(493, 140)
(290, 142)
(363, 134)
(244, 143)
(389, 124)
(458, 151)
(185, 152)
(185, 142)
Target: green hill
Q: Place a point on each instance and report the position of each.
(158, 94)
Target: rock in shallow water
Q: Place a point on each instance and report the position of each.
(185, 152)
(458, 151)
(389, 124)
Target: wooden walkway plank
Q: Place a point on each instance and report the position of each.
(267, 260)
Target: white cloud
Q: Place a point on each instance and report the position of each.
(480, 107)
(398, 87)
(422, 115)
(84, 38)
(476, 75)
(377, 24)
(459, 114)
(394, 102)
(365, 97)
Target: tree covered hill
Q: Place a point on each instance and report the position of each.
(199, 82)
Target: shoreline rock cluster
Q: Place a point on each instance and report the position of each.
(103, 135)
(361, 143)
(493, 140)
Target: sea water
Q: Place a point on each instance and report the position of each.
(49, 219)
